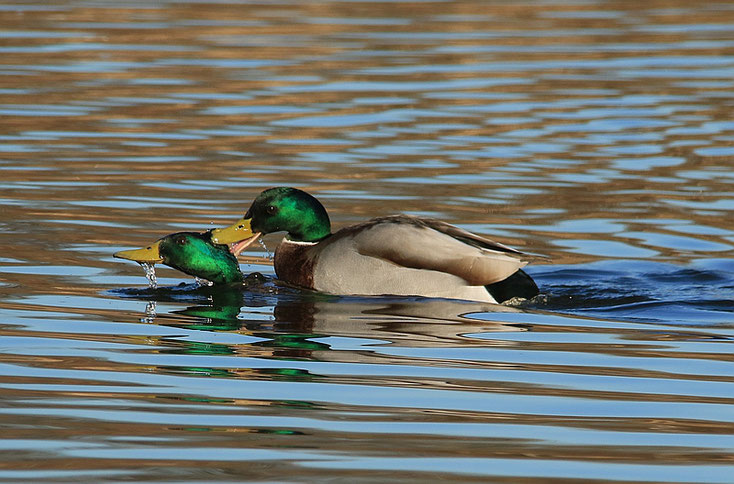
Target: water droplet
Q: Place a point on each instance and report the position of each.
(262, 244)
(150, 274)
(150, 313)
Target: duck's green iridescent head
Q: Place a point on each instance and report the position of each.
(281, 209)
(192, 253)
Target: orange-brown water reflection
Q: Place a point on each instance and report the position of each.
(597, 134)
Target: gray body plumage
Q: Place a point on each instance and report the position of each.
(399, 255)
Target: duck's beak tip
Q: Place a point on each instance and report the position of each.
(233, 234)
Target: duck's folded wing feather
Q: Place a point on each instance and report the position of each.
(423, 247)
(466, 236)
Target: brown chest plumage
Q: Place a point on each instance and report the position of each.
(294, 263)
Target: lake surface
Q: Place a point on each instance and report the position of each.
(596, 135)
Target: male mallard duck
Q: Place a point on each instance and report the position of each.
(399, 254)
(191, 253)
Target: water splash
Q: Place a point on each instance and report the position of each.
(150, 274)
(202, 282)
(262, 244)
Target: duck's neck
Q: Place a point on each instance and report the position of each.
(313, 227)
(230, 275)
(217, 266)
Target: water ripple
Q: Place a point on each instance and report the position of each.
(594, 137)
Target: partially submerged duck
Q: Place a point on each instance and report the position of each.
(191, 253)
(395, 255)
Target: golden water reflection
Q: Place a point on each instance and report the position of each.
(596, 134)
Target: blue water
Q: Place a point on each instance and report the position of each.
(595, 136)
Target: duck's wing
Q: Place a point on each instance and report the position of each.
(463, 235)
(433, 245)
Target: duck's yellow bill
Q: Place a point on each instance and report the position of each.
(150, 254)
(236, 232)
(239, 235)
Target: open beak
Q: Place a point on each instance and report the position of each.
(150, 254)
(239, 233)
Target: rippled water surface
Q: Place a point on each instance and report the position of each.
(597, 134)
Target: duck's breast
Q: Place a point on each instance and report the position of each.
(294, 263)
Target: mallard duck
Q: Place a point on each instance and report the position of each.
(397, 255)
(191, 253)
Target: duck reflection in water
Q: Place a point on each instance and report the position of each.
(291, 320)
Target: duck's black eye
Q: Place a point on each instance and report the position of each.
(271, 210)
(181, 240)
